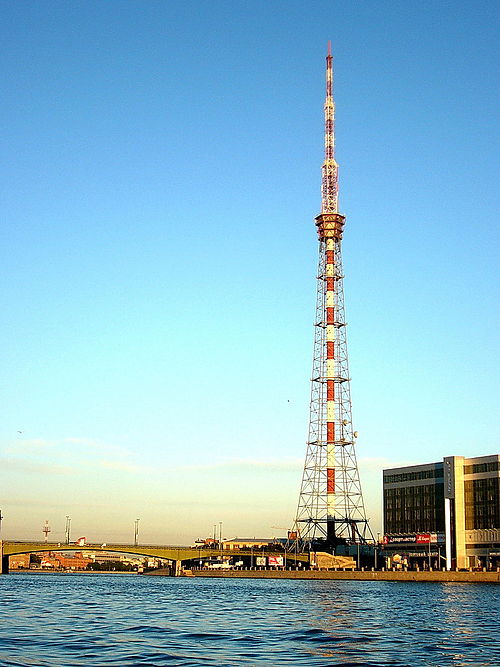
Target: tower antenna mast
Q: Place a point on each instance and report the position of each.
(329, 170)
(330, 509)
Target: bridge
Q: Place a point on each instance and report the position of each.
(176, 554)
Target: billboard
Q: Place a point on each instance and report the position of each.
(275, 561)
(260, 560)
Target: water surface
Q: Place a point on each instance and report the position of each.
(99, 619)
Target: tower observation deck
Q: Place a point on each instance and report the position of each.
(330, 508)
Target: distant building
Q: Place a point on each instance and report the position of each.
(205, 542)
(247, 543)
(74, 561)
(63, 561)
(444, 513)
(20, 562)
(105, 557)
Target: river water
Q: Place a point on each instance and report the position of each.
(61, 620)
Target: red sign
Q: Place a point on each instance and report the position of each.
(275, 561)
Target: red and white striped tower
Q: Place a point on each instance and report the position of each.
(331, 503)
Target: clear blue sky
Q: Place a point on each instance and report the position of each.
(160, 178)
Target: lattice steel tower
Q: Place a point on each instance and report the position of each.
(331, 504)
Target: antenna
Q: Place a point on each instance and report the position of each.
(329, 169)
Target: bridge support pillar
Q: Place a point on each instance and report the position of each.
(4, 561)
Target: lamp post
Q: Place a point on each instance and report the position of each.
(136, 531)
(220, 539)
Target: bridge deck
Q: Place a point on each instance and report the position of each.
(167, 552)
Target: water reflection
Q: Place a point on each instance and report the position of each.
(392, 623)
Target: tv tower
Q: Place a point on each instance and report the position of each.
(331, 507)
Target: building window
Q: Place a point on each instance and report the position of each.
(482, 503)
(414, 509)
(434, 472)
(492, 466)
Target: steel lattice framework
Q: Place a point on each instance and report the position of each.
(331, 504)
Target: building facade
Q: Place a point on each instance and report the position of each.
(445, 513)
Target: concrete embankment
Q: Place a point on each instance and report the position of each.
(471, 577)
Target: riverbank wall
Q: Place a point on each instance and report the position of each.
(356, 575)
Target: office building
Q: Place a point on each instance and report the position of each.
(445, 513)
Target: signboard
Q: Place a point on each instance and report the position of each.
(397, 539)
(275, 561)
(260, 560)
(414, 538)
(449, 477)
